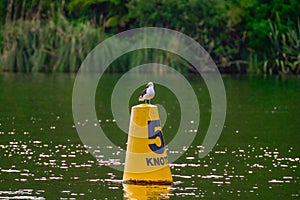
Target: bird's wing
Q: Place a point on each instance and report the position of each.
(144, 92)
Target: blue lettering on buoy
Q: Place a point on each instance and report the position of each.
(162, 161)
(154, 134)
(149, 161)
(158, 161)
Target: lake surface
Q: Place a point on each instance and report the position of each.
(256, 157)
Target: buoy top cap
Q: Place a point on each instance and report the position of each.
(143, 105)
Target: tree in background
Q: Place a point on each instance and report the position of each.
(253, 35)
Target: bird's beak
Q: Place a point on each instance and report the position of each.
(147, 85)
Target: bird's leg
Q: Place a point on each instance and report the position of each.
(147, 101)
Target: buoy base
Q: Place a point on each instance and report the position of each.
(160, 177)
(141, 182)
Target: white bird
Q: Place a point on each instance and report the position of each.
(148, 93)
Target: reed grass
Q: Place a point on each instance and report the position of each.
(54, 45)
(35, 43)
(57, 45)
(284, 57)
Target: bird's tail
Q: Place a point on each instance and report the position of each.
(141, 98)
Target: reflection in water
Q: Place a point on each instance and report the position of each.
(143, 192)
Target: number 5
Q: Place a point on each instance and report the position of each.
(152, 134)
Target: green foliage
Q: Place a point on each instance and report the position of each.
(201, 20)
(257, 17)
(3, 5)
(285, 52)
(107, 13)
(241, 36)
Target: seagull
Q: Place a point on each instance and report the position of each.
(148, 93)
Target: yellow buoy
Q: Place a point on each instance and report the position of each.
(146, 157)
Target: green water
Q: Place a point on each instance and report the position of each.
(256, 157)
